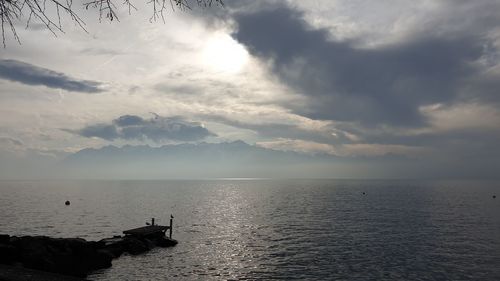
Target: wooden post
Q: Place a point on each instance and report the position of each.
(152, 221)
(171, 225)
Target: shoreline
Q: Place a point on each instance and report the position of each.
(20, 273)
(71, 257)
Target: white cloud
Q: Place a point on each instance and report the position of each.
(298, 146)
(461, 116)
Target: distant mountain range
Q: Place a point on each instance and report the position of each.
(202, 160)
(237, 151)
(224, 160)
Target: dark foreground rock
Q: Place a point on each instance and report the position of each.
(18, 273)
(73, 256)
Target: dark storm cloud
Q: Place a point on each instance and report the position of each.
(157, 128)
(382, 85)
(29, 74)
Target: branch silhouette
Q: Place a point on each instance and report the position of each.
(12, 11)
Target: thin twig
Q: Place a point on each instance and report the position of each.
(11, 11)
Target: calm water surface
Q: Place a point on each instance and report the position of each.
(275, 229)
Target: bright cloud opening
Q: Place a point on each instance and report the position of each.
(223, 54)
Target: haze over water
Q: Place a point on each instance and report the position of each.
(283, 229)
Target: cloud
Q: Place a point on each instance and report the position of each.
(103, 131)
(372, 150)
(129, 120)
(11, 147)
(29, 74)
(157, 129)
(469, 116)
(325, 133)
(300, 146)
(10, 141)
(386, 84)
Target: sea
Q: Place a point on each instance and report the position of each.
(263, 229)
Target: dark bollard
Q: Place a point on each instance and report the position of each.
(171, 225)
(67, 203)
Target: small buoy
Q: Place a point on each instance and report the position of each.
(364, 193)
(67, 203)
(494, 196)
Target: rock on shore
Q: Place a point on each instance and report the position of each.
(73, 256)
(19, 273)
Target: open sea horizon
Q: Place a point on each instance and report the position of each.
(262, 229)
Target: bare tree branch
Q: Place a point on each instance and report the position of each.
(12, 11)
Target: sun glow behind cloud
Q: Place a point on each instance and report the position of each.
(222, 53)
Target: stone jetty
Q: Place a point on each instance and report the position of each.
(75, 256)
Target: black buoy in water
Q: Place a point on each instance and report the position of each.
(364, 193)
(494, 196)
(67, 203)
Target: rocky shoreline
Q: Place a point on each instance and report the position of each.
(73, 256)
(20, 273)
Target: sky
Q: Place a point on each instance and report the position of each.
(382, 89)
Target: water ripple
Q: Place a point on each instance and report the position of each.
(291, 230)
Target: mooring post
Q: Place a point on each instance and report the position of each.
(171, 225)
(152, 221)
